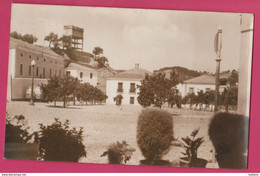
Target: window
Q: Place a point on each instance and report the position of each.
(81, 74)
(37, 71)
(207, 89)
(43, 73)
(132, 100)
(51, 61)
(44, 60)
(30, 56)
(50, 72)
(21, 69)
(120, 87)
(91, 75)
(37, 58)
(30, 70)
(191, 89)
(68, 73)
(132, 88)
(21, 54)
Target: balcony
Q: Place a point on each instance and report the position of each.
(120, 90)
(132, 90)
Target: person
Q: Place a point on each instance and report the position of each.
(229, 135)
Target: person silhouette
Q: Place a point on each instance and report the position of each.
(229, 135)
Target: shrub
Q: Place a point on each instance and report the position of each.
(59, 143)
(119, 153)
(154, 133)
(17, 130)
(229, 135)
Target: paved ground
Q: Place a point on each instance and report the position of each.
(106, 124)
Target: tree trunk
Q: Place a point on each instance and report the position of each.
(74, 101)
(64, 101)
(226, 108)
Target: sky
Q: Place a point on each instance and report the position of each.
(152, 38)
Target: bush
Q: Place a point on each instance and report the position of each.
(59, 143)
(17, 130)
(154, 133)
(119, 153)
(229, 135)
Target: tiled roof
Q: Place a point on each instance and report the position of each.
(137, 73)
(81, 65)
(19, 44)
(203, 79)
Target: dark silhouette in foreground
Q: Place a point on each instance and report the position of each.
(229, 135)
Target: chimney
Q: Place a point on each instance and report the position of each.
(136, 66)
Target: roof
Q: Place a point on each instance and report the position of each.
(19, 44)
(203, 79)
(80, 65)
(136, 74)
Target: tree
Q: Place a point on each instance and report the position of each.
(29, 38)
(190, 98)
(209, 97)
(229, 97)
(52, 38)
(51, 90)
(155, 90)
(97, 51)
(68, 86)
(233, 79)
(200, 98)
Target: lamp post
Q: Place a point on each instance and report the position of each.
(218, 46)
(32, 92)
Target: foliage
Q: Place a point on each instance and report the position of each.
(229, 97)
(17, 130)
(191, 145)
(209, 97)
(154, 133)
(118, 99)
(101, 60)
(190, 98)
(233, 79)
(51, 90)
(229, 135)
(52, 38)
(29, 38)
(155, 89)
(60, 143)
(89, 93)
(119, 153)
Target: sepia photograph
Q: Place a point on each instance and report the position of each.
(129, 86)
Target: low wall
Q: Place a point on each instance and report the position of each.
(20, 85)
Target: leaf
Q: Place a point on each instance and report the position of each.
(195, 132)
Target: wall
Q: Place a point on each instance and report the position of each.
(20, 85)
(25, 56)
(111, 91)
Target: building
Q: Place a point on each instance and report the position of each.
(203, 82)
(84, 72)
(125, 83)
(21, 53)
(76, 35)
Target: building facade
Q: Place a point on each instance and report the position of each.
(20, 71)
(203, 82)
(125, 84)
(84, 72)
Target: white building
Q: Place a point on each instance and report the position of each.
(203, 82)
(84, 72)
(125, 83)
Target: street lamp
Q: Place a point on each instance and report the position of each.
(218, 46)
(32, 92)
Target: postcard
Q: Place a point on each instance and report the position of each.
(129, 86)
